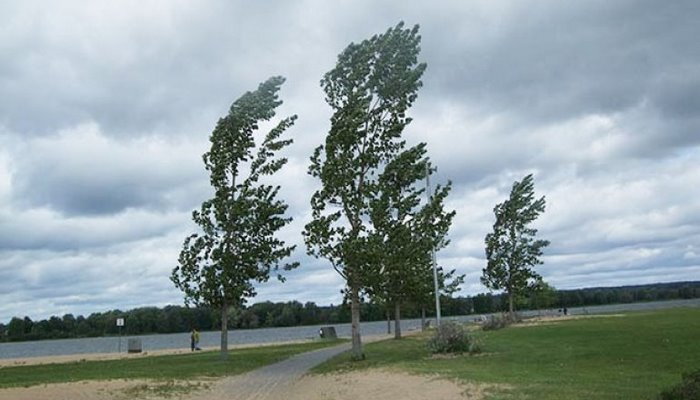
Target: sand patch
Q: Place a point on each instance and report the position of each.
(109, 390)
(87, 390)
(553, 319)
(382, 384)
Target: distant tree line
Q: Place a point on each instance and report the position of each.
(173, 319)
(549, 298)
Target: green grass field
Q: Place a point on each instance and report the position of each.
(633, 356)
(167, 367)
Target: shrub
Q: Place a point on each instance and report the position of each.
(688, 389)
(501, 321)
(451, 337)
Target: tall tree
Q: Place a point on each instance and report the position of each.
(237, 245)
(370, 89)
(512, 249)
(406, 231)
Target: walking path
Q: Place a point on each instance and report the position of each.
(273, 379)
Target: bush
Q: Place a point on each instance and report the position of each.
(688, 389)
(451, 337)
(496, 322)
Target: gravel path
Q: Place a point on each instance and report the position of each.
(271, 381)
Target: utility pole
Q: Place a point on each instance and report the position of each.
(432, 251)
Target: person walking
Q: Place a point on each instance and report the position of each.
(196, 340)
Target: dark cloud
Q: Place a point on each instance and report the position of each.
(45, 230)
(552, 63)
(132, 68)
(82, 172)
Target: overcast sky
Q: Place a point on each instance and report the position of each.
(106, 109)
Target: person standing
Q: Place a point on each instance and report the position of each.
(192, 339)
(196, 340)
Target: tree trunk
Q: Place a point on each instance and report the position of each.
(422, 318)
(357, 353)
(397, 320)
(511, 314)
(224, 332)
(388, 322)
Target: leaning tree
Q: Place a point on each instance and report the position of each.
(237, 244)
(512, 249)
(406, 231)
(370, 90)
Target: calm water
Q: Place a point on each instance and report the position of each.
(265, 335)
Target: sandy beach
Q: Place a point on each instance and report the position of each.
(10, 362)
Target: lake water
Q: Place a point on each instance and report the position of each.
(266, 335)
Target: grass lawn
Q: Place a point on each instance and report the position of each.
(633, 356)
(167, 367)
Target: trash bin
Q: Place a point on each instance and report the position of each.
(134, 346)
(327, 332)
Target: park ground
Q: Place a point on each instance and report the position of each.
(620, 356)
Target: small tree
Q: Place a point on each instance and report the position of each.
(406, 231)
(511, 249)
(370, 89)
(237, 245)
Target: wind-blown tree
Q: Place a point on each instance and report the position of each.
(512, 249)
(370, 89)
(237, 245)
(406, 231)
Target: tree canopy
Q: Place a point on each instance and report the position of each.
(236, 245)
(370, 89)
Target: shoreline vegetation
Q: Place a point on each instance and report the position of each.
(177, 319)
